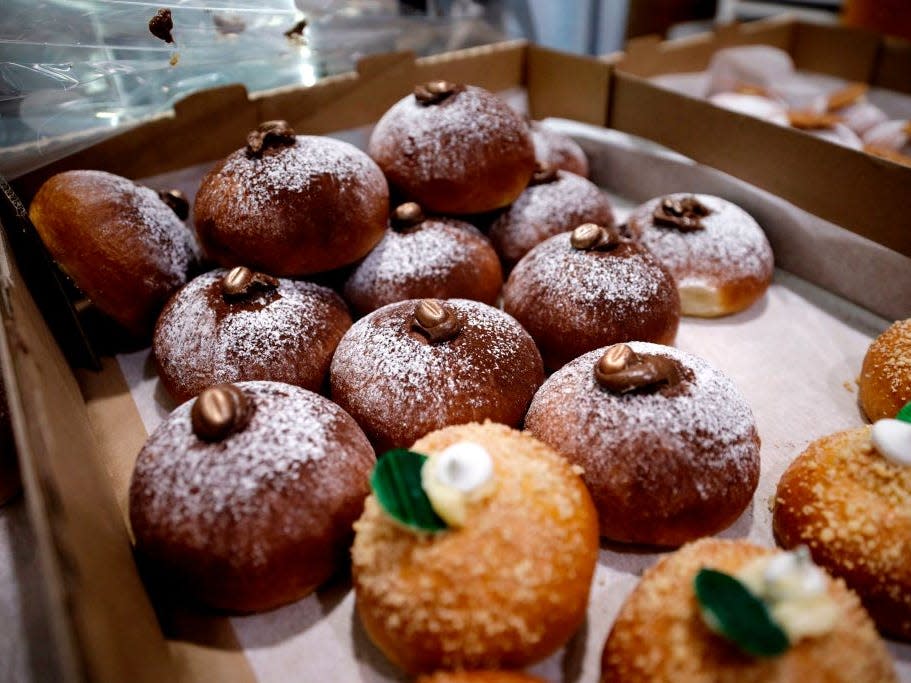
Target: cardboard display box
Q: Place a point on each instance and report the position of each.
(104, 624)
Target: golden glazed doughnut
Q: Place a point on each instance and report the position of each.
(243, 498)
(122, 245)
(425, 257)
(852, 507)
(238, 325)
(667, 443)
(291, 205)
(506, 589)
(717, 253)
(885, 379)
(454, 149)
(660, 637)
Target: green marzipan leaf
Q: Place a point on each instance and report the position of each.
(396, 482)
(734, 612)
(905, 413)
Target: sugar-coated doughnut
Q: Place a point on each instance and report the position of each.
(660, 637)
(667, 443)
(556, 150)
(583, 290)
(718, 255)
(415, 366)
(122, 245)
(243, 499)
(507, 588)
(478, 677)
(237, 325)
(291, 205)
(425, 257)
(885, 377)
(454, 149)
(852, 507)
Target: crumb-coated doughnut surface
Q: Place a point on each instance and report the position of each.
(119, 242)
(730, 257)
(558, 150)
(399, 386)
(885, 379)
(852, 507)
(493, 593)
(440, 258)
(659, 636)
(572, 301)
(663, 466)
(478, 677)
(468, 154)
(285, 335)
(308, 207)
(546, 210)
(260, 518)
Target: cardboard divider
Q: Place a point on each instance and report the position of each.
(583, 96)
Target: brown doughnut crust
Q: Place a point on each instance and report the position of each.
(468, 154)
(493, 594)
(546, 210)
(119, 242)
(664, 466)
(305, 208)
(852, 507)
(885, 379)
(285, 335)
(260, 518)
(573, 301)
(478, 677)
(557, 150)
(399, 386)
(659, 636)
(719, 270)
(440, 258)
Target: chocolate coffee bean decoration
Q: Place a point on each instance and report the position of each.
(220, 411)
(436, 321)
(621, 370)
(241, 282)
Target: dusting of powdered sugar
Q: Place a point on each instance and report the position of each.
(321, 166)
(160, 237)
(434, 139)
(548, 209)
(391, 379)
(419, 263)
(557, 150)
(731, 247)
(577, 286)
(289, 334)
(705, 422)
(228, 498)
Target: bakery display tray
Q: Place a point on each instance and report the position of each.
(795, 356)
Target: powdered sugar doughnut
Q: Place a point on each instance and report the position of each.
(559, 151)
(454, 149)
(752, 105)
(258, 514)
(753, 65)
(666, 462)
(840, 134)
(120, 243)
(722, 262)
(401, 379)
(573, 299)
(279, 330)
(892, 135)
(554, 203)
(297, 206)
(438, 258)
